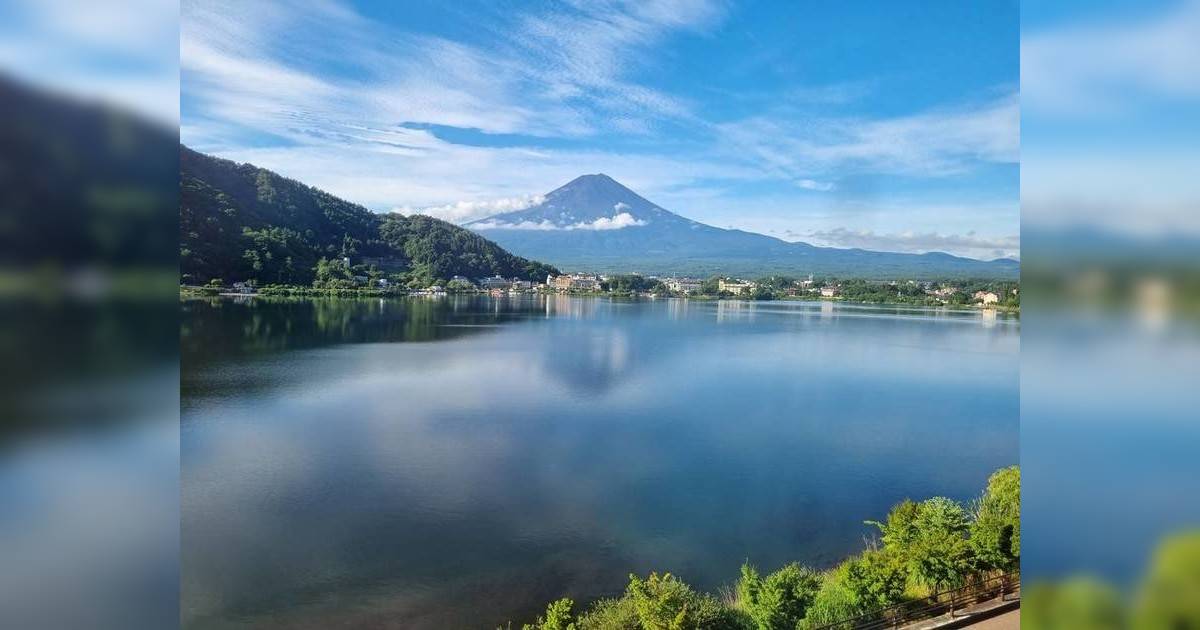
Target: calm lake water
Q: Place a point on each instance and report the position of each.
(454, 463)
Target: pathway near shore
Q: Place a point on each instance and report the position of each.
(1010, 620)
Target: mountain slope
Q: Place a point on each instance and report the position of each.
(595, 223)
(82, 182)
(239, 222)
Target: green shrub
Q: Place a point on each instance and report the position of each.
(860, 585)
(666, 603)
(779, 601)
(558, 617)
(1170, 593)
(929, 545)
(877, 579)
(834, 601)
(1076, 604)
(611, 614)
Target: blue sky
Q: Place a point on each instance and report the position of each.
(121, 53)
(886, 125)
(1109, 116)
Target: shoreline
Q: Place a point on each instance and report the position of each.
(191, 293)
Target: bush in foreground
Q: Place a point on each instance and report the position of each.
(666, 603)
(780, 600)
(926, 547)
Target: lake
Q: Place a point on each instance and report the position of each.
(458, 462)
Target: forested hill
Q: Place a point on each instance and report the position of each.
(241, 222)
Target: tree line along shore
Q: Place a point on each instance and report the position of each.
(336, 278)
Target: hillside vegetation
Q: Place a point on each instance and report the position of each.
(239, 222)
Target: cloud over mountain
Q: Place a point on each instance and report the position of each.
(464, 211)
(595, 223)
(615, 222)
(405, 114)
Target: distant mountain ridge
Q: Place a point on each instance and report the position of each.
(595, 223)
(241, 222)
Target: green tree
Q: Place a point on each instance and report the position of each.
(900, 529)
(940, 556)
(781, 599)
(459, 285)
(760, 292)
(996, 528)
(332, 274)
(711, 286)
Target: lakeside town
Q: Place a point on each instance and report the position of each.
(365, 280)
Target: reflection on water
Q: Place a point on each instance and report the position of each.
(1109, 437)
(458, 462)
(89, 460)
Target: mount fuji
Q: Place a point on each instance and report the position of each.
(593, 223)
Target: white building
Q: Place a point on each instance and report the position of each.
(986, 297)
(573, 282)
(943, 292)
(736, 287)
(495, 282)
(683, 285)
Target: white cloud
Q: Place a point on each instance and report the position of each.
(123, 56)
(1120, 94)
(441, 173)
(938, 142)
(587, 51)
(812, 184)
(618, 221)
(969, 244)
(558, 73)
(1103, 67)
(568, 72)
(463, 211)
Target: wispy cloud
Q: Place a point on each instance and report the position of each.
(256, 64)
(546, 92)
(812, 184)
(251, 70)
(1129, 86)
(618, 221)
(969, 244)
(939, 142)
(1106, 67)
(123, 56)
(463, 211)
